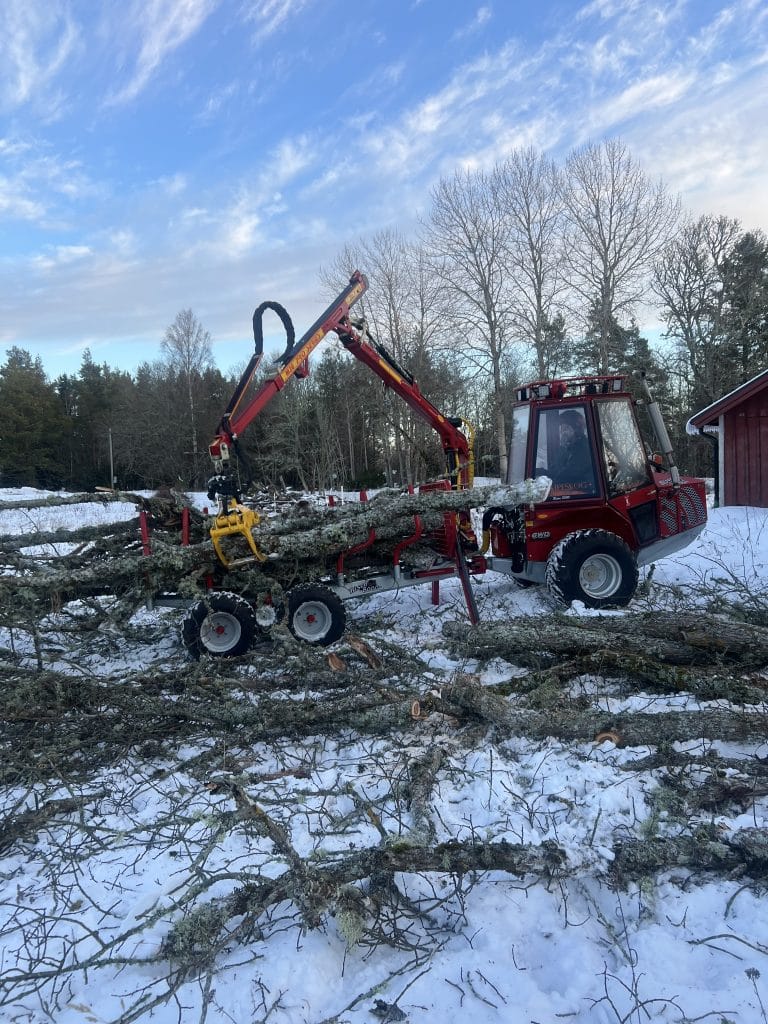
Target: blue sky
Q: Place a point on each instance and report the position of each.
(163, 154)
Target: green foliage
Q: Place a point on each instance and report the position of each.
(745, 319)
(94, 402)
(32, 425)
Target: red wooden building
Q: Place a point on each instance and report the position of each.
(739, 424)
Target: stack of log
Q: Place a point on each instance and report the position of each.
(300, 544)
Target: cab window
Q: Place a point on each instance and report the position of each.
(623, 451)
(518, 444)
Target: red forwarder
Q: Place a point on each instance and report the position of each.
(613, 505)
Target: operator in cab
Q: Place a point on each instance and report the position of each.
(572, 467)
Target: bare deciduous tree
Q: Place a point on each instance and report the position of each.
(618, 222)
(187, 347)
(688, 279)
(405, 311)
(465, 236)
(529, 191)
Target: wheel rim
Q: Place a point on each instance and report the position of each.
(266, 615)
(220, 632)
(600, 576)
(312, 620)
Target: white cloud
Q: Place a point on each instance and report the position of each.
(608, 10)
(122, 241)
(218, 100)
(642, 97)
(439, 127)
(173, 185)
(162, 26)
(195, 213)
(60, 255)
(37, 39)
(16, 204)
(482, 16)
(36, 182)
(600, 57)
(269, 16)
(711, 150)
(263, 199)
(381, 80)
(240, 231)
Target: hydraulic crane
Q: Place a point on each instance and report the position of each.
(235, 518)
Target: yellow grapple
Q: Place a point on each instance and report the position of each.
(236, 519)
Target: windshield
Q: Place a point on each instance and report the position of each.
(564, 452)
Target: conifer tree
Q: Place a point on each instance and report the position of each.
(32, 424)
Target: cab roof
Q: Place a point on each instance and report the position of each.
(572, 387)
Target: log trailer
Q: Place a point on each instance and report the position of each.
(624, 509)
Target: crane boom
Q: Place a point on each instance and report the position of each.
(293, 362)
(233, 517)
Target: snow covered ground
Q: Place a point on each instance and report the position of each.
(86, 908)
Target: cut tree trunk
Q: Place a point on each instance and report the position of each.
(629, 728)
(318, 890)
(666, 638)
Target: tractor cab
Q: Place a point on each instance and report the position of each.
(612, 506)
(583, 434)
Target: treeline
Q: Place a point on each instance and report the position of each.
(529, 270)
(335, 429)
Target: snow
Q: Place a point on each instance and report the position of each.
(498, 948)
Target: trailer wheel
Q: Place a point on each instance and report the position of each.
(223, 626)
(593, 566)
(315, 614)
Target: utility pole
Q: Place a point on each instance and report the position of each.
(111, 460)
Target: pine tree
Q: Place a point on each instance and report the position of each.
(95, 402)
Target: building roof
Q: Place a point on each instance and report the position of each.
(708, 417)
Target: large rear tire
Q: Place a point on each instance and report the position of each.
(223, 625)
(592, 566)
(315, 614)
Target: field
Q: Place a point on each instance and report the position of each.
(557, 816)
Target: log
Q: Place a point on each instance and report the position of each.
(129, 572)
(124, 532)
(545, 687)
(398, 504)
(630, 728)
(317, 889)
(667, 638)
(746, 849)
(54, 500)
(391, 515)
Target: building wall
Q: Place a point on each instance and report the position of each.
(745, 459)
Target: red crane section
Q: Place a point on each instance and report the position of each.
(456, 444)
(293, 362)
(240, 412)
